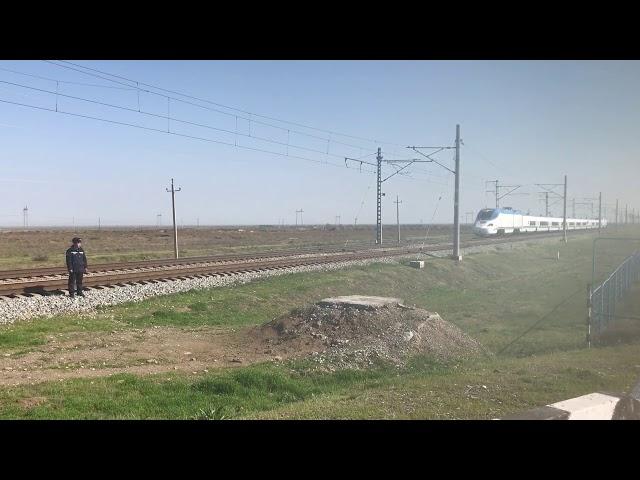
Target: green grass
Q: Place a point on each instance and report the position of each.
(422, 390)
(493, 296)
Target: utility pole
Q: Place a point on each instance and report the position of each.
(456, 201)
(25, 217)
(599, 212)
(98, 223)
(299, 212)
(173, 209)
(379, 199)
(398, 202)
(564, 215)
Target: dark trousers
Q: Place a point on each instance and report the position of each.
(75, 282)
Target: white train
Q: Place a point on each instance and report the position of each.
(498, 221)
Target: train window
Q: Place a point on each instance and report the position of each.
(533, 224)
(544, 224)
(555, 224)
(571, 224)
(486, 214)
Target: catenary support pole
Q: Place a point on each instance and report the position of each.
(546, 204)
(564, 214)
(379, 200)
(599, 213)
(456, 201)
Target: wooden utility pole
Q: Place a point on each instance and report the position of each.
(398, 202)
(173, 208)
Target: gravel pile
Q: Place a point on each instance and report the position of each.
(349, 337)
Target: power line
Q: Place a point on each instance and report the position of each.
(138, 83)
(170, 118)
(116, 122)
(64, 81)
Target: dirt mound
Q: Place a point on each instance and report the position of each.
(348, 336)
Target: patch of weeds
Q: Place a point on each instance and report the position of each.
(218, 413)
(581, 374)
(217, 386)
(198, 307)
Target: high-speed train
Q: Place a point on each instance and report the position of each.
(499, 221)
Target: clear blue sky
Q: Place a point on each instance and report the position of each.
(522, 122)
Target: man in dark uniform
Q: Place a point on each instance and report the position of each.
(77, 266)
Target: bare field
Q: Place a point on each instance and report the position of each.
(21, 248)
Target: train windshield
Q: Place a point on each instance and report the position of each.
(485, 214)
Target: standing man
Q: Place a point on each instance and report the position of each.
(77, 266)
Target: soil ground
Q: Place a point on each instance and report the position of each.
(45, 247)
(142, 351)
(346, 338)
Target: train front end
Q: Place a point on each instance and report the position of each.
(485, 222)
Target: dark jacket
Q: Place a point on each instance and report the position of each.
(76, 259)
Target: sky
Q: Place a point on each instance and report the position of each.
(522, 123)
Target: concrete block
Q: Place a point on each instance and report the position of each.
(416, 263)
(359, 301)
(594, 406)
(542, 413)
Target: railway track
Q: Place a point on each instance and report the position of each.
(52, 279)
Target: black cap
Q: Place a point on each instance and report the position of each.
(76, 240)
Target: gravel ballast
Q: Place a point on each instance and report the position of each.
(27, 307)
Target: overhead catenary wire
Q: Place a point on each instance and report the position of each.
(64, 81)
(171, 119)
(116, 122)
(193, 97)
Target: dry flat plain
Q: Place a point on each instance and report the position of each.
(197, 355)
(24, 248)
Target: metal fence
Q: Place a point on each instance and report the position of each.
(604, 298)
